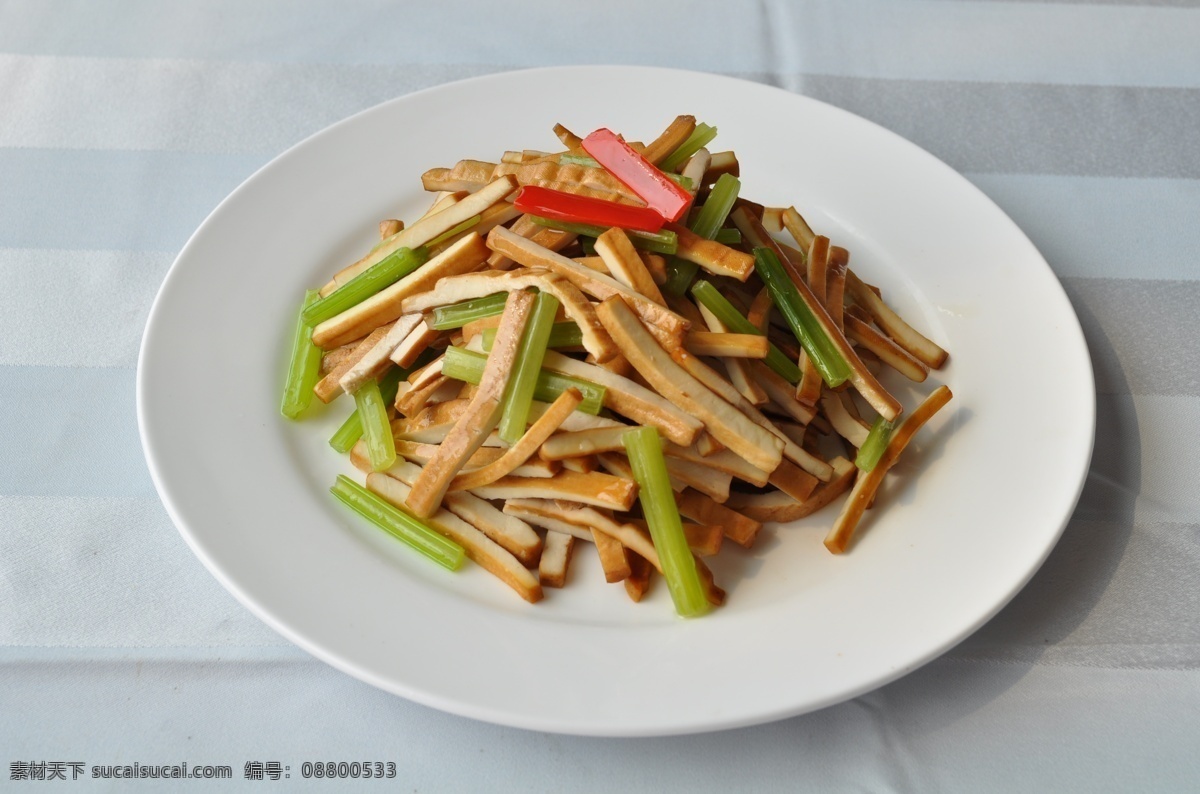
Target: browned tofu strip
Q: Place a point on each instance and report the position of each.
(421, 454)
(721, 163)
(760, 310)
(389, 227)
(670, 139)
(668, 326)
(416, 343)
(537, 511)
(476, 285)
(801, 232)
(596, 489)
(624, 264)
(729, 425)
(578, 179)
(583, 442)
(330, 386)
(630, 399)
(844, 423)
(468, 175)
(378, 358)
(714, 594)
(613, 558)
(925, 351)
(714, 257)
(778, 506)
(478, 546)
(868, 483)
(710, 482)
(888, 351)
(726, 345)
(739, 528)
(835, 284)
(568, 138)
(553, 239)
(330, 360)
(481, 415)
(808, 392)
(637, 584)
(584, 465)
(556, 558)
(724, 389)
(528, 444)
(794, 481)
(738, 369)
(385, 305)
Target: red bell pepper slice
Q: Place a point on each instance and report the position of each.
(638, 174)
(584, 209)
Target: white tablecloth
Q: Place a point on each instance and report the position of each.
(123, 123)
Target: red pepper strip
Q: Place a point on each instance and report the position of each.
(638, 174)
(584, 209)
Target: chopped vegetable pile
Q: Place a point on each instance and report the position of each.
(607, 344)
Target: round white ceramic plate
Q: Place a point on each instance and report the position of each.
(973, 509)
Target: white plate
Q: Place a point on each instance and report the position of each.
(974, 508)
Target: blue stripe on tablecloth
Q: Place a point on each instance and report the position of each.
(139, 201)
(866, 38)
(70, 432)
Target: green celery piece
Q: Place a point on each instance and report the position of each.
(662, 516)
(728, 236)
(728, 314)
(514, 411)
(399, 524)
(565, 334)
(701, 136)
(459, 229)
(304, 367)
(377, 431)
(579, 159)
(717, 207)
(351, 430)
(707, 223)
(588, 244)
(872, 449)
(825, 356)
(456, 315)
(378, 276)
(658, 242)
(467, 365)
(680, 274)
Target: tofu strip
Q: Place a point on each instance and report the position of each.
(378, 357)
(481, 415)
(727, 424)
(631, 399)
(624, 264)
(587, 519)
(670, 139)
(476, 285)
(778, 506)
(867, 483)
(330, 386)
(518, 453)
(613, 558)
(718, 259)
(595, 489)
(556, 558)
(668, 326)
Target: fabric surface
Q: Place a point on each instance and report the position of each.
(123, 123)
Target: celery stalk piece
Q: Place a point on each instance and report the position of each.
(398, 524)
(378, 276)
(701, 136)
(304, 367)
(659, 242)
(459, 229)
(662, 516)
(728, 314)
(514, 410)
(728, 236)
(680, 274)
(467, 366)
(707, 223)
(825, 356)
(456, 315)
(716, 209)
(377, 430)
(579, 159)
(877, 441)
(351, 430)
(565, 334)
(589, 245)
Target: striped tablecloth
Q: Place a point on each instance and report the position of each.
(123, 123)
